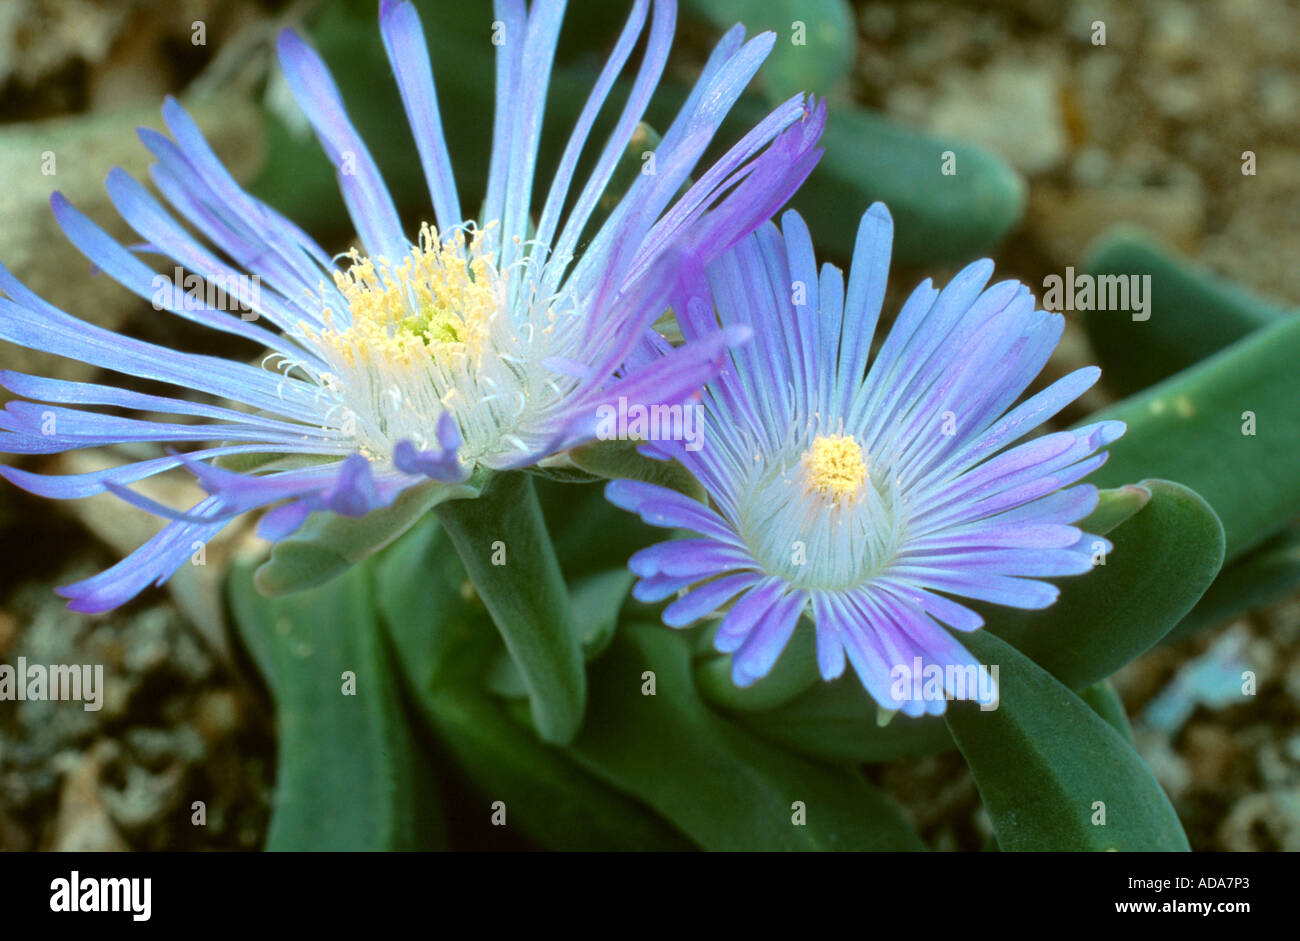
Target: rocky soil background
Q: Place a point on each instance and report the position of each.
(1148, 129)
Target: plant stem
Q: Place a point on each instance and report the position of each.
(502, 540)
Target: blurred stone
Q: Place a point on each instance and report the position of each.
(877, 20)
(1212, 680)
(1279, 96)
(155, 749)
(1065, 222)
(83, 824)
(1168, 767)
(1291, 681)
(1091, 166)
(1011, 107)
(40, 37)
(1178, 98)
(117, 698)
(41, 40)
(1210, 753)
(217, 714)
(1274, 770)
(1177, 33)
(1293, 748)
(148, 649)
(145, 799)
(1269, 821)
(152, 748)
(134, 71)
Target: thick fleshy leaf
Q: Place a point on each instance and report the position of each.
(1228, 428)
(1262, 577)
(1103, 700)
(440, 629)
(1163, 560)
(328, 544)
(596, 601)
(502, 540)
(544, 792)
(1114, 506)
(444, 640)
(795, 673)
(1191, 314)
(587, 530)
(350, 774)
(1053, 774)
(838, 721)
(721, 786)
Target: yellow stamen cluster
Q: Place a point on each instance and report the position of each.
(834, 468)
(437, 304)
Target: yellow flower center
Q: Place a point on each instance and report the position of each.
(435, 306)
(834, 468)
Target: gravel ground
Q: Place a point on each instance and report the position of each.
(179, 754)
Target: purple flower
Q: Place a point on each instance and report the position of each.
(417, 358)
(866, 497)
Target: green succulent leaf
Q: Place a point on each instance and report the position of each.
(1048, 767)
(660, 746)
(351, 776)
(1164, 558)
(445, 644)
(795, 673)
(1114, 506)
(1262, 577)
(546, 794)
(1228, 428)
(1192, 313)
(328, 544)
(587, 530)
(1103, 700)
(438, 625)
(267, 461)
(597, 601)
(868, 158)
(838, 721)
